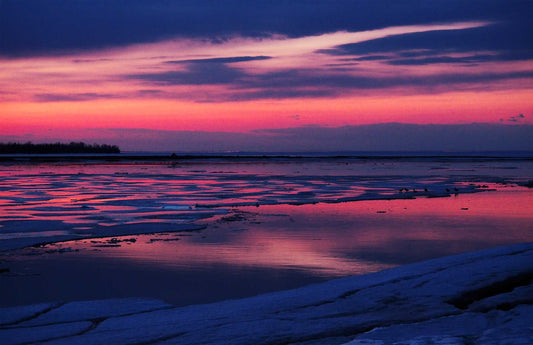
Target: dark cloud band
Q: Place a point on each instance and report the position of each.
(224, 59)
(36, 27)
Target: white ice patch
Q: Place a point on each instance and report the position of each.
(177, 207)
(16, 314)
(88, 310)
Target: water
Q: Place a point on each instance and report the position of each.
(218, 244)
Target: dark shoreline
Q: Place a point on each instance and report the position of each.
(57, 148)
(253, 156)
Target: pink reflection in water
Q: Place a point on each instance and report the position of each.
(256, 250)
(341, 239)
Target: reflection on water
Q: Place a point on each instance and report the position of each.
(253, 250)
(344, 238)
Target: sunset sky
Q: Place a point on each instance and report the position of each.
(159, 75)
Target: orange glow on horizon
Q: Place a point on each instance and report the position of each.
(447, 108)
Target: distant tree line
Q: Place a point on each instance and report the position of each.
(73, 147)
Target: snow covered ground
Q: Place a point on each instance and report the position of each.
(483, 297)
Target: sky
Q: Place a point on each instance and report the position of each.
(278, 75)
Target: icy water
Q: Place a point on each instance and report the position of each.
(220, 229)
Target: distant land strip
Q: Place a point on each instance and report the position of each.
(249, 157)
(56, 148)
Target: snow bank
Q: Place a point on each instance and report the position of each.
(476, 298)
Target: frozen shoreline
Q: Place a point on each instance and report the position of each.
(51, 202)
(150, 216)
(21, 233)
(476, 298)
